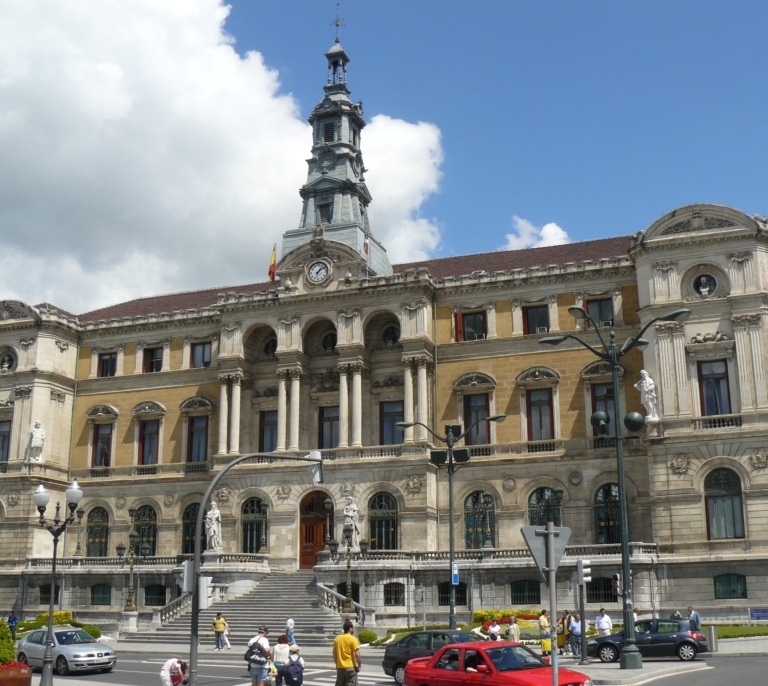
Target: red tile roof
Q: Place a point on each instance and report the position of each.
(440, 268)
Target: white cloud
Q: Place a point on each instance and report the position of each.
(527, 235)
(140, 154)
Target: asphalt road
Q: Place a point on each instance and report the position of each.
(749, 669)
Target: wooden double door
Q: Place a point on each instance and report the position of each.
(313, 525)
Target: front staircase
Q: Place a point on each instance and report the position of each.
(269, 604)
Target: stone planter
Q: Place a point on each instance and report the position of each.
(17, 676)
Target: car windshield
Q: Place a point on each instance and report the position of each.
(68, 638)
(463, 638)
(513, 658)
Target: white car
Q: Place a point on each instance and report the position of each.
(74, 650)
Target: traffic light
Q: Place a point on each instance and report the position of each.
(599, 421)
(616, 584)
(585, 571)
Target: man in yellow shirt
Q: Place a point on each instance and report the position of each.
(346, 655)
(219, 626)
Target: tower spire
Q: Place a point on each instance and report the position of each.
(337, 23)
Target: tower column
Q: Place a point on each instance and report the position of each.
(282, 410)
(357, 406)
(223, 414)
(234, 415)
(421, 397)
(293, 439)
(343, 407)
(408, 401)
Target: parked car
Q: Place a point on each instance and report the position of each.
(419, 644)
(655, 638)
(74, 650)
(490, 663)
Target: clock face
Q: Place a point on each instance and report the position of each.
(317, 271)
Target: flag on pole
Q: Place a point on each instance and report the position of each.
(272, 262)
(367, 244)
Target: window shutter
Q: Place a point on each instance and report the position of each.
(459, 327)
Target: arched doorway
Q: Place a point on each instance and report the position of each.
(313, 527)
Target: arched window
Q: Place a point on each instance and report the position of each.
(544, 503)
(188, 522)
(145, 526)
(479, 521)
(382, 513)
(730, 586)
(722, 495)
(254, 518)
(444, 593)
(607, 514)
(97, 533)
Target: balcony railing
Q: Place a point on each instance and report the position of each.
(721, 421)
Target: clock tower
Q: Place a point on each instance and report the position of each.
(335, 196)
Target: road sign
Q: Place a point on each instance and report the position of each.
(536, 538)
(455, 573)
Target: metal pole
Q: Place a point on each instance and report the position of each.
(630, 656)
(584, 660)
(552, 575)
(46, 676)
(451, 534)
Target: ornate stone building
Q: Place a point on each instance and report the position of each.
(144, 402)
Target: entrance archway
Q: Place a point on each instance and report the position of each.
(312, 525)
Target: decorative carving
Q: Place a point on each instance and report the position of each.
(739, 257)
(283, 491)
(270, 392)
(57, 396)
(388, 382)
(326, 381)
(102, 411)
(509, 484)
(13, 499)
(679, 464)
(473, 380)
(709, 337)
(747, 320)
(27, 343)
(414, 484)
(575, 478)
(348, 488)
(224, 494)
(62, 345)
(147, 408)
(169, 499)
(759, 458)
(197, 402)
(120, 502)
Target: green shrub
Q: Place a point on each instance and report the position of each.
(7, 646)
(367, 636)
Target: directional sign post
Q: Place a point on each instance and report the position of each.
(547, 547)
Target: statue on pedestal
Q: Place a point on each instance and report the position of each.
(648, 398)
(213, 528)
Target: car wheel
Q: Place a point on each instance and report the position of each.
(62, 668)
(686, 651)
(399, 674)
(607, 653)
(22, 657)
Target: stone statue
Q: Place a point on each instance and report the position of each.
(213, 527)
(351, 516)
(648, 398)
(36, 441)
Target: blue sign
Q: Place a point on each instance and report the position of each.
(758, 614)
(455, 573)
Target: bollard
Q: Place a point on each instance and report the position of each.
(712, 638)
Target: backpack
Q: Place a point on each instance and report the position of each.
(255, 654)
(293, 672)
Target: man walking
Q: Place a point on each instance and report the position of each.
(219, 625)
(258, 663)
(603, 623)
(13, 620)
(694, 619)
(289, 631)
(575, 629)
(346, 655)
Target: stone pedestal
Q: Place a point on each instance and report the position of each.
(129, 623)
(16, 676)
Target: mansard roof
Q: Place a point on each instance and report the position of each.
(440, 268)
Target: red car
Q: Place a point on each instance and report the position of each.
(490, 663)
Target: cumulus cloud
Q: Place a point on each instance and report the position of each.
(140, 154)
(528, 235)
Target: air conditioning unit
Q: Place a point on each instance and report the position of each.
(542, 329)
(606, 324)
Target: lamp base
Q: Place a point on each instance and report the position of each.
(630, 658)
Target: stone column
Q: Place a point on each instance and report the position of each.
(421, 397)
(343, 408)
(357, 406)
(223, 415)
(234, 415)
(294, 422)
(408, 401)
(282, 410)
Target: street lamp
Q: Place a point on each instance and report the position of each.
(41, 498)
(328, 506)
(612, 354)
(348, 606)
(80, 514)
(453, 433)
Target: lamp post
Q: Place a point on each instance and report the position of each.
(348, 606)
(328, 506)
(41, 498)
(453, 434)
(612, 354)
(80, 514)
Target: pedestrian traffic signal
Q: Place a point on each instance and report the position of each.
(585, 571)
(616, 583)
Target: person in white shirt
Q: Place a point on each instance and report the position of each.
(513, 632)
(173, 667)
(494, 631)
(603, 623)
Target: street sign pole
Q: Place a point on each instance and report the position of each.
(552, 569)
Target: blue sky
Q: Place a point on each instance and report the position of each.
(153, 147)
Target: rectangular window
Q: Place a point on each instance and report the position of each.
(328, 132)
(102, 445)
(153, 360)
(101, 594)
(107, 364)
(602, 401)
(600, 590)
(201, 355)
(325, 211)
(394, 594)
(148, 434)
(730, 586)
(601, 312)
(329, 427)
(268, 431)
(470, 326)
(713, 388)
(5, 444)
(475, 410)
(540, 416)
(526, 592)
(197, 439)
(390, 412)
(535, 319)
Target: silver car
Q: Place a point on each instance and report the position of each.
(74, 650)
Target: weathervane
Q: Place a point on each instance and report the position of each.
(338, 22)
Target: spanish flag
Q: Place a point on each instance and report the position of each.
(272, 262)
